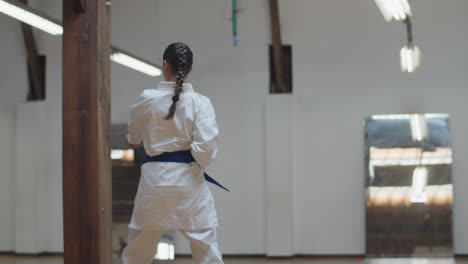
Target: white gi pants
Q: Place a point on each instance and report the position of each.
(142, 246)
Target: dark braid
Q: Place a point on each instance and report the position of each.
(180, 58)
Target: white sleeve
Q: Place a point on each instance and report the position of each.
(205, 135)
(137, 120)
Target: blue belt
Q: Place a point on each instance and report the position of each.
(182, 156)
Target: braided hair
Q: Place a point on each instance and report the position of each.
(180, 58)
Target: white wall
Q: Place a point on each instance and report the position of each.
(279, 177)
(347, 68)
(345, 64)
(38, 190)
(13, 87)
(31, 180)
(135, 28)
(7, 180)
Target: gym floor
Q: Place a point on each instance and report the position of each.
(7, 259)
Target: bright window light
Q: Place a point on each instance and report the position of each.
(410, 58)
(380, 157)
(165, 251)
(28, 17)
(394, 196)
(409, 162)
(394, 9)
(127, 155)
(418, 197)
(135, 64)
(116, 154)
(171, 252)
(408, 153)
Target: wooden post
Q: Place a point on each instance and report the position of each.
(87, 194)
(277, 45)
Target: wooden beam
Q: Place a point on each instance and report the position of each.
(87, 194)
(277, 46)
(34, 65)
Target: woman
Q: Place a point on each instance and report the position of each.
(179, 132)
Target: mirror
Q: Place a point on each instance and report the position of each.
(409, 193)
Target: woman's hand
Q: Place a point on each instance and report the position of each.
(131, 145)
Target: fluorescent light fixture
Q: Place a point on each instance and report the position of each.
(32, 17)
(371, 170)
(390, 117)
(410, 58)
(25, 14)
(165, 251)
(419, 184)
(394, 9)
(428, 116)
(418, 127)
(419, 179)
(406, 116)
(134, 62)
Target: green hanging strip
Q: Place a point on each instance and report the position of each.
(234, 23)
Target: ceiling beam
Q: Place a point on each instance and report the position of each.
(277, 46)
(34, 66)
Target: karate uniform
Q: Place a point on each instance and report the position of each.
(173, 196)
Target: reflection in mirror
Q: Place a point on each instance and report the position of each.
(126, 164)
(408, 185)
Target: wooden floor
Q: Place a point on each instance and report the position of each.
(231, 260)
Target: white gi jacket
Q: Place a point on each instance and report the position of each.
(174, 196)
